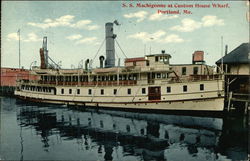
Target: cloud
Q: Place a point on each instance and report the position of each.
(140, 15)
(144, 36)
(74, 37)
(87, 40)
(12, 36)
(189, 25)
(32, 37)
(66, 20)
(159, 36)
(160, 17)
(172, 39)
(78, 39)
(209, 20)
(61, 21)
(92, 27)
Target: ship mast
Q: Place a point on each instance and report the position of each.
(18, 32)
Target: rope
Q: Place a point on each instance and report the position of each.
(99, 49)
(121, 48)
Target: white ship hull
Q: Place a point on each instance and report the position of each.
(194, 99)
(205, 104)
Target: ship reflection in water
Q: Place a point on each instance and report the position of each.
(31, 132)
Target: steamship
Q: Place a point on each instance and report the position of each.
(143, 83)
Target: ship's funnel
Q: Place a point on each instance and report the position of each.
(101, 58)
(110, 45)
(226, 47)
(86, 64)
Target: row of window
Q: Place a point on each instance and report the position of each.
(129, 91)
(85, 78)
(37, 88)
(185, 88)
(184, 70)
(100, 78)
(102, 91)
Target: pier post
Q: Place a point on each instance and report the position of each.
(229, 101)
(246, 108)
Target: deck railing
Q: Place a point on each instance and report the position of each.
(93, 83)
(193, 78)
(190, 78)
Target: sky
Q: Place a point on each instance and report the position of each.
(76, 30)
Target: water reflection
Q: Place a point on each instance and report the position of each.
(117, 135)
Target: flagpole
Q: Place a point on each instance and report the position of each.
(19, 49)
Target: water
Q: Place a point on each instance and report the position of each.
(34, 132)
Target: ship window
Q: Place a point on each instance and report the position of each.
(182, 137)
(90, 92)
(129, 90)
(128, 128)
(115, 91)
(101, 124)
(184, 70)
(70, 91)
(81, 78)
(134, 63)
(130, 77)
(49, 90)
(60, 78)
(163, 75)
(62, 91)
(158, 75)
(166, 135)
(195, 70)
(102, 91)
(134, 77)
(156, 59)
(185, 88)
(99, 78)
(201, 87)
(168, 89)
(143, 90)
(147, 63)
(142, 131)
(78, 91)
